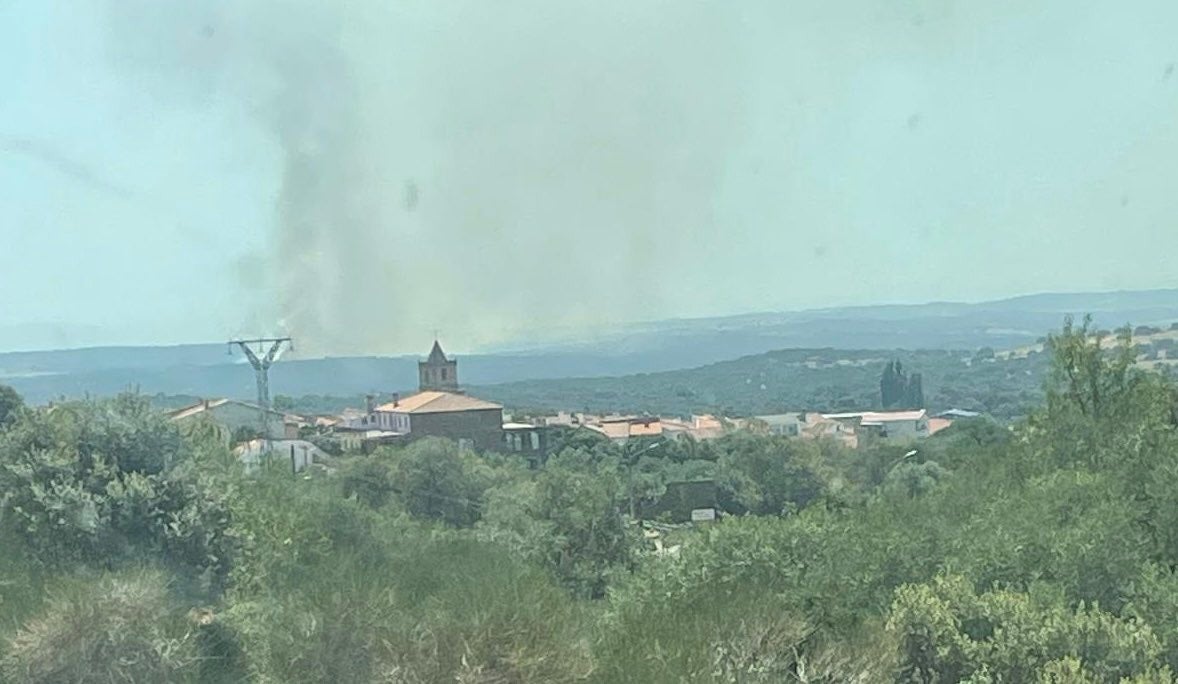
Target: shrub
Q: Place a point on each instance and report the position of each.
(949, 633)
(115, 628)
(736, 633)
(96, 483)
(421, 610)
(439, 481)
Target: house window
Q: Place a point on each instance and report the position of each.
(443, 375)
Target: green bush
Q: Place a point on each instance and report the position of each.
(735, 633)
(422, 610)
(102, 482)
(949, 633)
(570, 520)
(112, 628)
(437, 480)
(368, 479)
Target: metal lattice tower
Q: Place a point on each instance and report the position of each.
(262, 372)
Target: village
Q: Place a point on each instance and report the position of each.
(441, 408)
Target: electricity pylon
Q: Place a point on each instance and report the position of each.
(262, 373)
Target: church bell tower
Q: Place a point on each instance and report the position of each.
(437, 373)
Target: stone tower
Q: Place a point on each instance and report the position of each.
(437, 372)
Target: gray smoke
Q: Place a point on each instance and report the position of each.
(473, 168)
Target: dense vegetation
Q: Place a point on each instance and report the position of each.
(799, 379)
(1041, 553)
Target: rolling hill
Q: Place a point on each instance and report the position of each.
(792, 380)
(647, 348)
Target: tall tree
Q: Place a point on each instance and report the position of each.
(915, 392)
(889, 383)
(1089, 373)
(899, 391)
(10, 404)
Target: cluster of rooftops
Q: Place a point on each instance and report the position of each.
(440, 393)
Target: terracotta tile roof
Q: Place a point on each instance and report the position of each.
(437, 402)
(652, 428)
(409, 403)
(626, 427)
(596, 428)
(613, 429)
(935, 425)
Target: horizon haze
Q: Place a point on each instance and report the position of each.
(1158, 302)
(643, 348)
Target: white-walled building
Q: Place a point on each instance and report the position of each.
(231, 415)
(892, 425)
(296, 454)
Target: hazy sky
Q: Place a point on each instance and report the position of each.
(363, 174)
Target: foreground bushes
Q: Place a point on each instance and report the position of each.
(950, 633)
(727, 633)
(101, 483)
(421, 609)
(111, 628)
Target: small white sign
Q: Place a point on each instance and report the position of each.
(703, 515)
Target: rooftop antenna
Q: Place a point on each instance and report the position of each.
(261, 366)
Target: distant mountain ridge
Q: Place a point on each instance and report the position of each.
(207, 370)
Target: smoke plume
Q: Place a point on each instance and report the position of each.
(473, 168)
